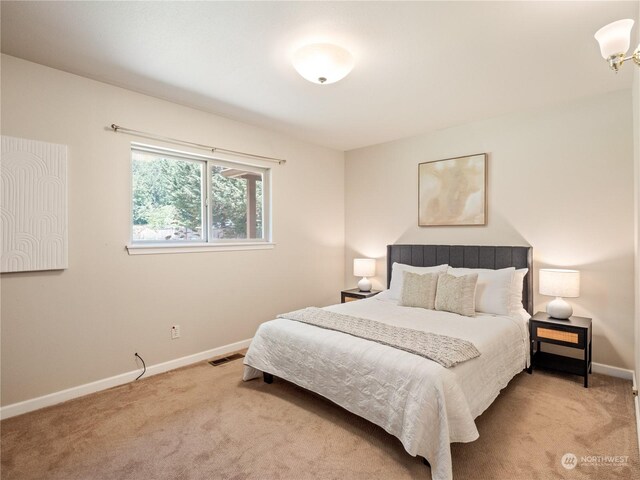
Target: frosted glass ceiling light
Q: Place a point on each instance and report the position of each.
(322, 62)
(614, 40)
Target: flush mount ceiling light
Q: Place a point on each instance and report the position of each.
(322, 62)
(614, 40)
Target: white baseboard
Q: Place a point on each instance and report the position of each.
(81, 390)
(612, 371)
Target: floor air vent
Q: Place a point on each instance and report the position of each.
(223, 360)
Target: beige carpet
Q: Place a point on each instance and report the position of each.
(203, 422)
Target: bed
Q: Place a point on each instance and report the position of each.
(424, 404)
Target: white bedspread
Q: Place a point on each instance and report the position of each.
(419, 401)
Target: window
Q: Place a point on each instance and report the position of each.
(182, 198)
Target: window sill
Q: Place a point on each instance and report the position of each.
(163, 248)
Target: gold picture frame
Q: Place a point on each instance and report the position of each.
(453, 191)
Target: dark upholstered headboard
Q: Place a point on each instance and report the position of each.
(467, 256)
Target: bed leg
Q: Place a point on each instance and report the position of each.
(426, 462)
(268, 378)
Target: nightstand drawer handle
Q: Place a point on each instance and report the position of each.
(557, 335)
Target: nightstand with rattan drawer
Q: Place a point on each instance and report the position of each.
(355, 294)
(575, 332)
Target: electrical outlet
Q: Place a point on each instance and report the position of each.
(175, 332)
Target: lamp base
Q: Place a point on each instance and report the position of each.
(364, 285)
(559, 308)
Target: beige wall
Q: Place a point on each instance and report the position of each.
(63, 329)
(636, 176)
(560, 180)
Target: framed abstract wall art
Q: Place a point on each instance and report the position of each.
(453, 191)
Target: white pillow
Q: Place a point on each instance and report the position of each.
(522, 314)
(494, 290)
(397, 276)
(516, 290)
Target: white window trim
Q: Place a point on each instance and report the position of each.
(171, 248)
(149, 247)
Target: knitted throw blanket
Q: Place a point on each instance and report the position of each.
(447, 351)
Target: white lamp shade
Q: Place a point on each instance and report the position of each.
(614, 39)
(559, 283)
(364, 267)
(322, 62)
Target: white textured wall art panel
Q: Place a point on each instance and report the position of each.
(34, 205)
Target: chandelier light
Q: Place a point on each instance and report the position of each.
(614, 40)
(323, 63)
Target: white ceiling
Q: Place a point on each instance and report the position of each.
(420, 66)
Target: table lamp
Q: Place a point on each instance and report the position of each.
(364, 267)
(559, 283)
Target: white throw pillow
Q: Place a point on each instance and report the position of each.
(516, 290)
(397, 274)
(494, 290)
